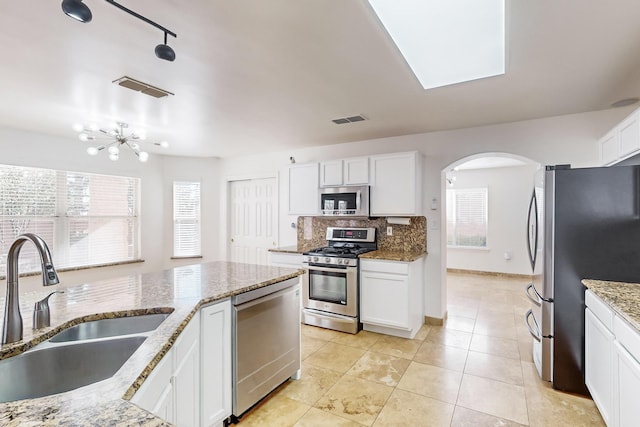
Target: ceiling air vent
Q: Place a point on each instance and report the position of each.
(351, 119)
(139, 86)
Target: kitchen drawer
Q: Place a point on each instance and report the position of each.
(389, 267)
(600, 309)
(627, 336)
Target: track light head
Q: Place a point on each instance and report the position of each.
(77, 10)
(164, 51)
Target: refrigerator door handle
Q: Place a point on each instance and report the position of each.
(532, 230)
(540, 296)
(533, 298)
(534, 333)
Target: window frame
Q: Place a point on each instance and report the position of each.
(452, 204)
(60, 239)
(196, 221)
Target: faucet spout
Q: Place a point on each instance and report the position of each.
(12, 327)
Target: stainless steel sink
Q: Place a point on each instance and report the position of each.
(111, 327)
(51, 370)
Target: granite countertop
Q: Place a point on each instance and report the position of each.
(293, 249)
(394, 255)
(181, 291)
(620, 296)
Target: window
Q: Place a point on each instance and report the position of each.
(86, 219)
(186, 219)
(467, 217)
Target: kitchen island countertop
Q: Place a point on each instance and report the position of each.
(183, 289)
(622, 297)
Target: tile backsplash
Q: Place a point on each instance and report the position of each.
(410, 238)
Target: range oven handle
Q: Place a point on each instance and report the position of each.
(533, 298)
(335, 269)
(535, 333)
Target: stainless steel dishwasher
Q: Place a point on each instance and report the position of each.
(266, 341)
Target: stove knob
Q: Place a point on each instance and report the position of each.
(327, 260)
(315, 259)
(339, 261)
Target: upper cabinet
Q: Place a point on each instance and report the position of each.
(396, 184)
(622, 141)
(304, 198)
(354, 171)
(629, 134)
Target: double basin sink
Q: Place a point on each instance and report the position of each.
(75, 357)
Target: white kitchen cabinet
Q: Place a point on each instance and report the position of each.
(352, 171)
(156, 393)
(186, 376)
(396, 184)
(215, 363)
(191, 385)
(598, 364)
(331, 173)
(355, 171)
(629, 134)
(172, 391)
(304, 197)
(622, 141)
(609, 147)
(391, 297)
(612, 363)
(626, 375)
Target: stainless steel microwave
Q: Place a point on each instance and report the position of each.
(345, 201)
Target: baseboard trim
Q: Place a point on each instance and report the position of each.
(489, 273)
(435, 321)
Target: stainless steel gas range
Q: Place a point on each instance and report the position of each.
(330, 294)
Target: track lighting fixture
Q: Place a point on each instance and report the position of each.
(81, 12)
(77, 10)
(164, 51)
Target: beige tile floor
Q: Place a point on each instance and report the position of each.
(476, 370)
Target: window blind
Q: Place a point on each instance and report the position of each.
(86, 219)
(186, 219)
(467, 217)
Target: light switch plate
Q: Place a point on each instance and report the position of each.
(389, 231)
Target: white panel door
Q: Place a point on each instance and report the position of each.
(253, 221)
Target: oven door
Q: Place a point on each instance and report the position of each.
(331, 289)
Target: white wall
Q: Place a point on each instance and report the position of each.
(38, 150)
(565, 139)
(509, 190)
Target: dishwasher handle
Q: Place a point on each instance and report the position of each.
(268, 297)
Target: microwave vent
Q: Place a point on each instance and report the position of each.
(352, 119)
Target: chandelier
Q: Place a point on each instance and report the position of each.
(115, 139)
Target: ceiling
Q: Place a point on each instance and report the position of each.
(253, 76)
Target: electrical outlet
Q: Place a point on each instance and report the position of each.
(389, 231)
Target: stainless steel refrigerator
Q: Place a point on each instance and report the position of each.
(582, 223)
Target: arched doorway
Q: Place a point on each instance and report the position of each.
(491, 252)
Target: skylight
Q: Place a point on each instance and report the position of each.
(447, 41)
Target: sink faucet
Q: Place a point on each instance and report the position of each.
(12, 327)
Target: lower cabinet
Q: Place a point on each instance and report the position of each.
(598, 364)
(216, 363)
(391, 297)
(626, 375)
(191, 385)
(612, 364)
